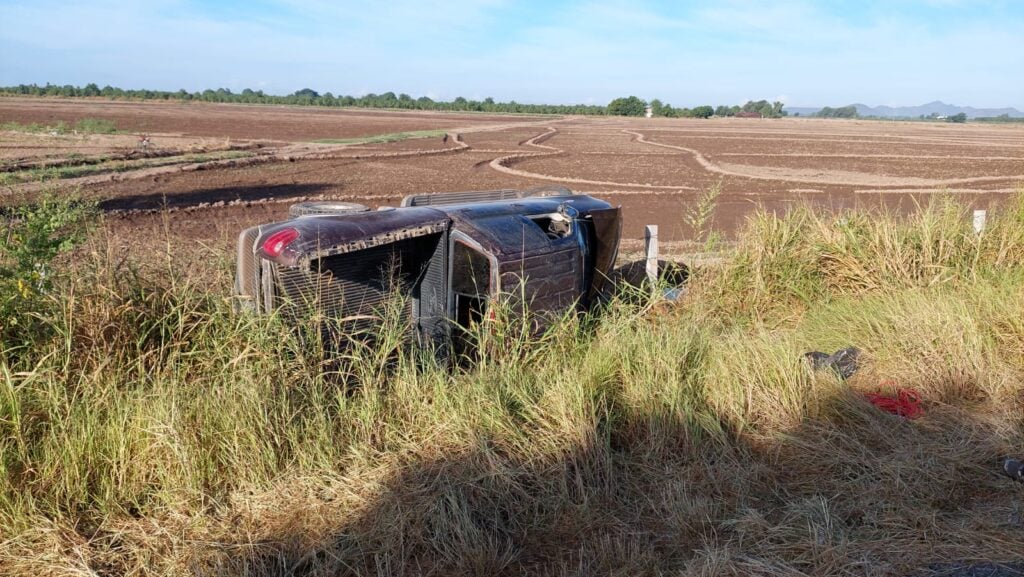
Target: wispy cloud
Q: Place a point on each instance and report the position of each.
(586, 51)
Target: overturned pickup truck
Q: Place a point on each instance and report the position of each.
(450, 256)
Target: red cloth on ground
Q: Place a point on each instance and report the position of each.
(906, 403)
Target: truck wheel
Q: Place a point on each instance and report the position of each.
(325, 207)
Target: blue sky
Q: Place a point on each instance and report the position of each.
(686, 53)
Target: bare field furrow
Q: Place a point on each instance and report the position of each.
(872, 156)
(656, 168)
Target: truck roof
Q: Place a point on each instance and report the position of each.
(502, 227)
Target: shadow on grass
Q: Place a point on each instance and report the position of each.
(213, 195)
(850, 491)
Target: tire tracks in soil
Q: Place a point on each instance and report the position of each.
(504, 164)
(716, 169)
(290, 153)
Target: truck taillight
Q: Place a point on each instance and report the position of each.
(277, 243)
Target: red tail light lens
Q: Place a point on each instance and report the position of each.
(275, 244)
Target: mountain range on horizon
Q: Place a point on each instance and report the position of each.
(937, 107)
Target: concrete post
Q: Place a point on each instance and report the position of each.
(651, 248)
(979, 221)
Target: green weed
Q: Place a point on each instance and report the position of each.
(66, 171)
(700, 217)
(83, 126)
(382, 138)
(32, 237)
(96, 126)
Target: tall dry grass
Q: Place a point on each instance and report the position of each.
(152, 432)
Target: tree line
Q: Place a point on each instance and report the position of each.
(305, 97)
(634, 106)
(627, 106)
(1002, 118)
(850, 111)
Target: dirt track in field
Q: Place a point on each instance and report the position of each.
(655, 168)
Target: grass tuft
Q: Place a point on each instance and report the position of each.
(83, 126)
(382, 138)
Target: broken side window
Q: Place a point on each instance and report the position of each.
(471, 283)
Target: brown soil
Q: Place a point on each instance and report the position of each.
(639, 170)
(286, 123)
(599, 142)
(655, 168)
(432, 143)
(879, 172)
(826, 148)
(20, 146)
(511, 139)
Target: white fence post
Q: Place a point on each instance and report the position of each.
(979, 221)
(651, 247)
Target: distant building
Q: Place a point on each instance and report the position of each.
(648, 111)
(749, 115)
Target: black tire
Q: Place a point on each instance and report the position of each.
(325, 207)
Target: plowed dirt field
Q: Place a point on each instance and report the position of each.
(655, 168)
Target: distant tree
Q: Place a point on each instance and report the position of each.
(764, 108)
(841, 112)
(847, 112)
(307, 93)
(657, 107)
(959, 118)
(724, 110)
(630, 106)
(702, 112)
(759, 106)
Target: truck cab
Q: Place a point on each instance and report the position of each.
(449, 257)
